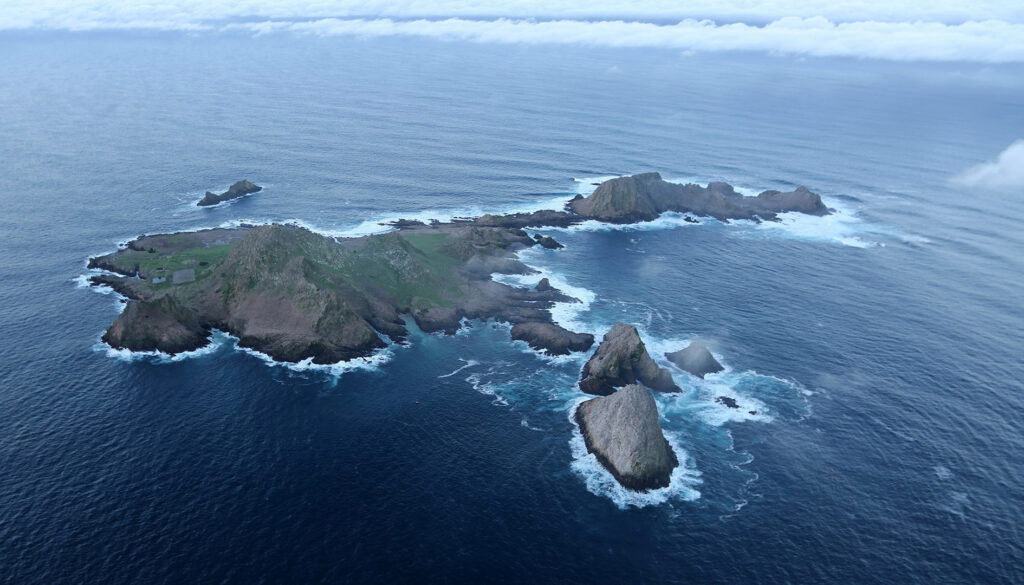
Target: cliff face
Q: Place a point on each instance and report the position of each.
(623, 431)
(645, 196)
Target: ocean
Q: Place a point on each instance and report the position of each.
(875, 353)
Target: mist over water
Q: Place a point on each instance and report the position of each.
(878, 347)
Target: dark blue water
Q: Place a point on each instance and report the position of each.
(881, 347)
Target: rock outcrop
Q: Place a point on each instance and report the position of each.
(543, 218)
(551, 338)
(235, 191)
(547, 242)
(622, 359)
(162, 324)
(645, 196)
(696, 359)
(623, 432)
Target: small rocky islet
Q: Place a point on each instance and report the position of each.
(296, 295)
(239, 189)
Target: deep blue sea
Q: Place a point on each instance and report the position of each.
(881, 347)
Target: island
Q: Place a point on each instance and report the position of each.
(297, 295)
(239, 189)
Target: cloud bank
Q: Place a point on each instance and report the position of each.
(120, 13)
(1003, 174)
(989, 31)
(993, 42)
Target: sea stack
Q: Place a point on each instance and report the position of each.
(235, 191)
(623, 431)
(696, 359)
(622, 359)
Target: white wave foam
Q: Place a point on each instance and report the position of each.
(467, 364)
(844, 226)
(378, 224)
(370, 363)
(217, 340)
(601, 482)
(525, 423)
(566, 314)
(487, 389)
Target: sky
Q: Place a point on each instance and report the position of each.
(983, 31)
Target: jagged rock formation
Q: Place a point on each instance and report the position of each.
(235, 191)
(551, 338)
(548, 242)
(645, 196)
(623, 431)
(622, 359)
(696, 359)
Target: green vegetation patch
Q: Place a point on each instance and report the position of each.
(157, 265)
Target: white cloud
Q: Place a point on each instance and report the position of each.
(990, 31)
(993, 42)
(79, 14)
(1004, 173)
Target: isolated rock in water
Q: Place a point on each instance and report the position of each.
(544, 285)
(235, 191)
(623, 431)
(162, 324)
(728, 401)
(551, 338)
(696, 359)
(645, 196)
(548, 242)
(622, 359)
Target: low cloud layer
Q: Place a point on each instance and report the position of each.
(993, 42)
(1003, 174)
(78, 14)
(988, 31)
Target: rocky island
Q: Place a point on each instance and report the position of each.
(297, 295)
(623, 432)
(239, 189)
